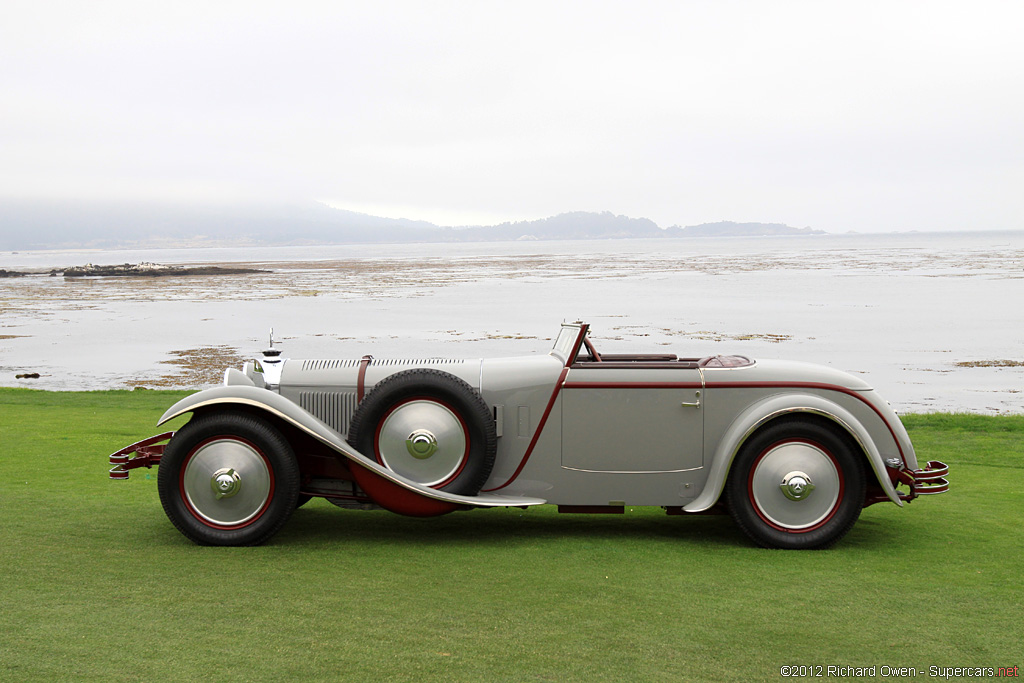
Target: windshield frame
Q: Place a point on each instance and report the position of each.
(568, 342)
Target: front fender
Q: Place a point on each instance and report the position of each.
(394, 488)
(765, 410)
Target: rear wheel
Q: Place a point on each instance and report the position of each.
(228, 479)
(796, 484)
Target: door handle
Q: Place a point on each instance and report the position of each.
(694, 404)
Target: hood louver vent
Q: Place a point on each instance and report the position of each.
(414, 361)
(376, 362)
(328, 364)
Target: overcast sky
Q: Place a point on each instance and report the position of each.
(841, 116)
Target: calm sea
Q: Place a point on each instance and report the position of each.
(933, 321)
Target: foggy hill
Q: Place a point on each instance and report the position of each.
(566, 226)
(70, 224)
(44, 225)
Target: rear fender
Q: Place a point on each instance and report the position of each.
(768, 409)
(388, 489)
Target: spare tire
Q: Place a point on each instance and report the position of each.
(430, 427)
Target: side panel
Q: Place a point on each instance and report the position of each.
(663, 452)
(523, 388)
(610, 426)
(630, 430)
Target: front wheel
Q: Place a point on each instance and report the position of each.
(796, 484)
(228, 479)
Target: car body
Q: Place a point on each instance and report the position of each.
(792, 450)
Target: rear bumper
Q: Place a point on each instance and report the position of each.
(147, 454)
(929, 481)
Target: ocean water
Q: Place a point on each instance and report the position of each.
(933, 321)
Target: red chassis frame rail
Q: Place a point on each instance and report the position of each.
(148, 453)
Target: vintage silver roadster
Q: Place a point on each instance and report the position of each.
(792, 451)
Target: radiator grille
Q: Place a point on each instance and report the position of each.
(335, 408)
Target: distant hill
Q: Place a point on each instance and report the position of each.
(52, 225)
(69, 224)
(730, 229)
(577, 225)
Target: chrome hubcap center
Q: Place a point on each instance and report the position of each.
(421, 444)
(225, 483)
(796, 486)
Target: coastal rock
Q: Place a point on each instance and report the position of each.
(146, 269)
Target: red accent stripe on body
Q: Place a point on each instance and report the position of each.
(633, 385)
(811, 385)
(687, 385)
(536, 435)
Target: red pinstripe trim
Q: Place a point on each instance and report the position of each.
(633, 385)
(709, 385)
(536, 435)
(811, 385)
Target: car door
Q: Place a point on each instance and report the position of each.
(633, 417)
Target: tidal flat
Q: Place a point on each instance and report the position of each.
(931, 320)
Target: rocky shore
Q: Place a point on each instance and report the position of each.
(143, 269)
(149, 270)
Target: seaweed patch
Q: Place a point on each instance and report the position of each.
(196, 367)
(989, 364)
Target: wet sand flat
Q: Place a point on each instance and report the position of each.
(929, 320)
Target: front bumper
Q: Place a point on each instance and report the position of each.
(147, 454)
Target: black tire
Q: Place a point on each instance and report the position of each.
(228, 478)
(430, 427)
(768, 494)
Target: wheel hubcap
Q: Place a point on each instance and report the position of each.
(421, 444)
(795, 485)
(423, 440)
(227, 482)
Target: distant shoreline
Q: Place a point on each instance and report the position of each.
(65, 225)
(245, 244)
(31, 225)
(160, 245)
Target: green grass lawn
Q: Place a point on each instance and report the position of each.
(97, 585)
